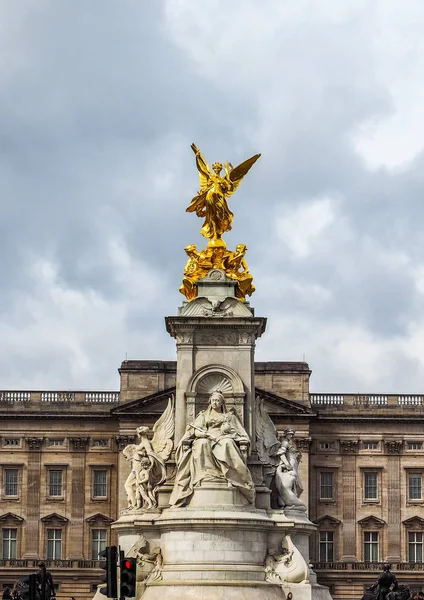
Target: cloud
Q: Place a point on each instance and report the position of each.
(98, 106)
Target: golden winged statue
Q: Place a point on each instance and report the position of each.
(211, 201)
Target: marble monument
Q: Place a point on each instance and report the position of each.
(214, 508)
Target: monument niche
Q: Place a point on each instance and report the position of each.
(213, 494)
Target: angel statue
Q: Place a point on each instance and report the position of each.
(148, 459)
(282, 459)
(211, 201)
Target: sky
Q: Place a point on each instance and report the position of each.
(99, 103)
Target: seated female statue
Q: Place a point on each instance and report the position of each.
(209, 451)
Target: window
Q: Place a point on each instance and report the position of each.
(371, 546)
(55, 483)
(10, 537)
(54, 544)
(327, 485)
(414, 486)
(326, 546)
(101, 443)
(415, 546)
(11, 482)
(370, 486)
(98, 542)
(100, 484)
(327, 445)
(414, 445)
(370, 445)
(56, 442)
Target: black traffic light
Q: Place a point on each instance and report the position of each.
(128, 577)
(110, 577)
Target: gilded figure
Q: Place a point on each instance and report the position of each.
(211, 201)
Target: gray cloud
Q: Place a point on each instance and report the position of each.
(99, 104)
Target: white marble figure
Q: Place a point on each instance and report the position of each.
(149, 560)
(148, 458)
(287, 567)
(282, 456)
(210, 450)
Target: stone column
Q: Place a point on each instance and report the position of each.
(76, 533)
(348, 490)
(393, 504)
(32, 530)
(185, 368)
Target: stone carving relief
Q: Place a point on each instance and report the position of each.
(349, 446)
(184, 337)
(215, 307)
(34, 443)
(287, 567)
(282, 459)
(246, 338)
(79, 443)
(148, 460)
(149, 560)
(216, 338)
(303, 444)
(393, 446)
(214, 382)
(124, 440)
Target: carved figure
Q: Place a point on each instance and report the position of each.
(198, 265)
(282, 458)
(235, 266)
(385, 583)
(156, 573)
(148, 461)
(147, 557)
(287, 567)
(211, 201)
(402, 593)
(212, 450)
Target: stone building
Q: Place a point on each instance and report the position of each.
(62, 474)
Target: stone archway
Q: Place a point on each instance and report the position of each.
(211, 378)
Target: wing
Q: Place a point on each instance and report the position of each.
(237, 174)
(163, 431)
(203, 168)
(266, 435)
(196, 308)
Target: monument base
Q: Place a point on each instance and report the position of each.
(230, 590)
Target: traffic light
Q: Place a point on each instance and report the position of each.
(32, 586)
(128, 577)
(110, 577)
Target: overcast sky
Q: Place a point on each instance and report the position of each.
(99, 103)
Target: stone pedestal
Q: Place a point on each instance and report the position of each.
(215, 546)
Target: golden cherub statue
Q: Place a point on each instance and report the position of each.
(211, 201)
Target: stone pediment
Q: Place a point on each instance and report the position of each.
(153, 404)
(327, 521)
(11, 517)
(372, 522)
(279, 405)
(54, 519)
(156, 403)
(414, 523)
(99, 518)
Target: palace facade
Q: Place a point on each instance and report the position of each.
(62, 474)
